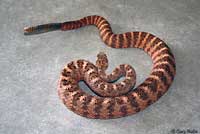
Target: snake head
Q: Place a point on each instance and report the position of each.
(102, 61)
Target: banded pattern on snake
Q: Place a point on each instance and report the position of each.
(114, 100)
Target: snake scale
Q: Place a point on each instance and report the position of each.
(112, 100)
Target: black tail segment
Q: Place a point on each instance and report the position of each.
(42, 28)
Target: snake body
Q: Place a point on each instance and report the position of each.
(114, 100)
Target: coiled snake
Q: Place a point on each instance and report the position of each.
(113, 100)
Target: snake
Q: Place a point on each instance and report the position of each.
(112, 100)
